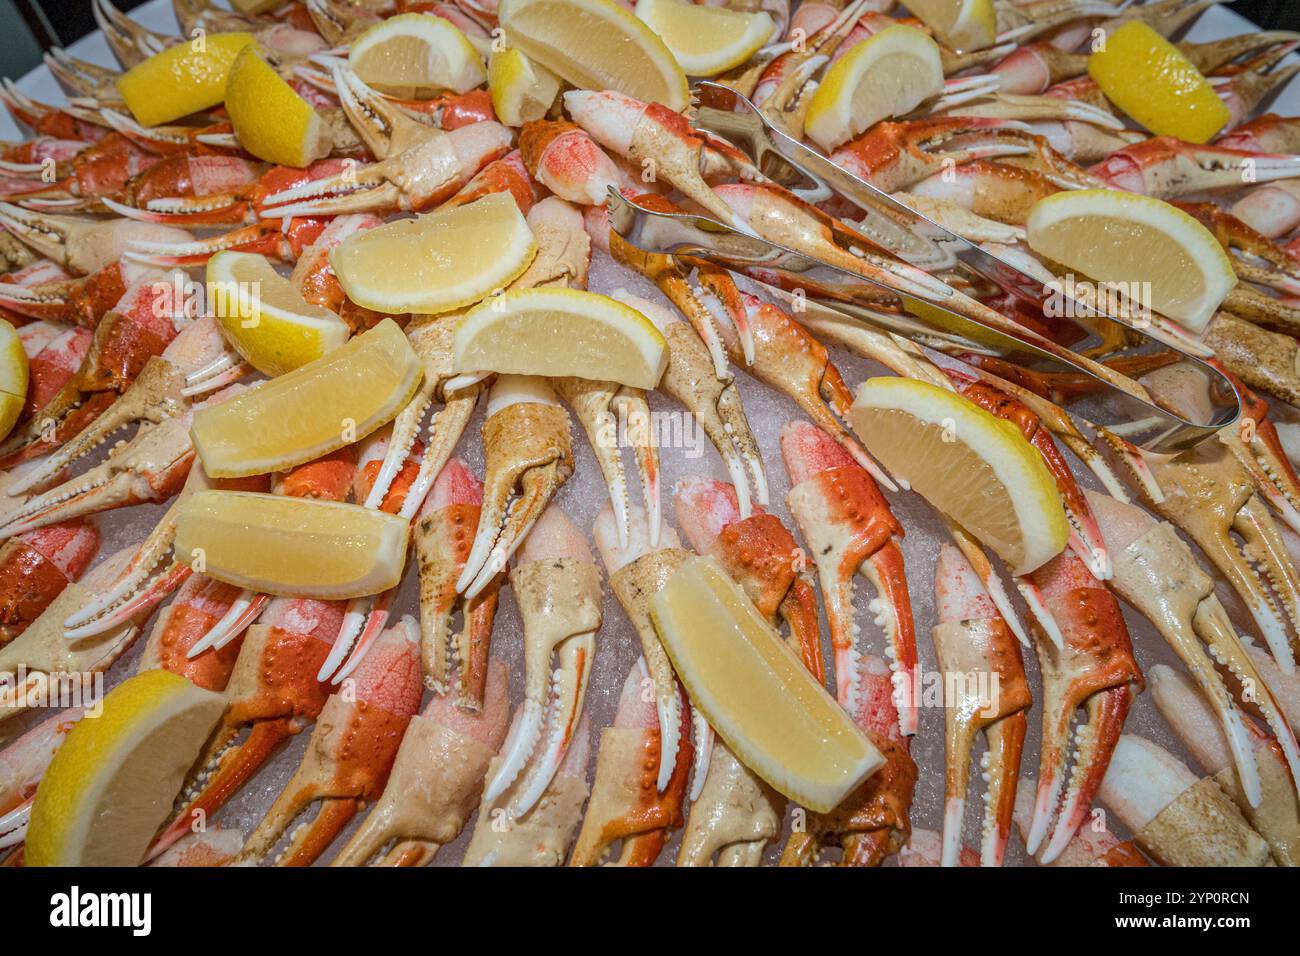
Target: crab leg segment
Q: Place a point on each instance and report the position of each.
(848, 528)
(528, 446)
(351, 751)
(984, 689)
(435, 782)
(557, 587)
(625, 802)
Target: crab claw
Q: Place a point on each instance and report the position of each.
(351, 751)
(1093, 845)
(626, 805)
(436, 779)
(272, 694)
(848, 527)
(557, 587)
(528, 449)
(712, 401)
(637, 570)
(443, 535)
(1157, 574)
(413, 180)
(80, 244)
(1095, 670)
(1176, 817)
(985, 689)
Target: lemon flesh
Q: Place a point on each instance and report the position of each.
(1152, 81)
(972, 466)
(416, 55)
(1178, 270)
(439, 261)
(13, 377)
(326, 404)
(706, 41)
(522, 91)
(596, 45)
(885, 75)
(960, 25)
(113, 781)
(181, 79)
(264, 317)
(270, 120)
(295, 547)
(557, 332)
(755, 692)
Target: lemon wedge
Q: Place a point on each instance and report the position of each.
(1182, 271)
(550, 331)
(755, 692)
(1152, 81)
(961, 25)
(437, 262)
(596, 45)
(706, 40)
(265, 318)
(13, 377)
(182, 79)
(271, 121)
(974, 467)
(522, 91)
(295, 547)
(326, 404)
(112, 783)
(416, 55)
(885, 75)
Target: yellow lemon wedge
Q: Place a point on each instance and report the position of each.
(439, 261)
(296, 547)
(774, 715)
(961, 25)
(272, 121)
(522, 91)
(1182, 271)
(974, 467)
(550, 331)
(415, 55)
(265, 318)
(706, 41)
(885, 75)
(182, 79)
(596, 45)
(1152, 81)
(334, 401)
(112, 783)
(13, 377)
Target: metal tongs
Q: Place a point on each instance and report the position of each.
(1151, 425)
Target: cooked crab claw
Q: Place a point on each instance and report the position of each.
(453, 663)
(436, 779)
(1275, 811)
(272, 694)
(412, 180)
(1092, 845)
(22, 765)
(848, 528)
(1157, 574)
(528, 448)
(1179, 819)
(82, 245)
(557, 587)
(1094, 670)
(734, 818)
(626, 804)
(1209, 495)
(872, 823)
(712, 401)
(984, 689)
(543, 836)
(637, 570)
(351, 751)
